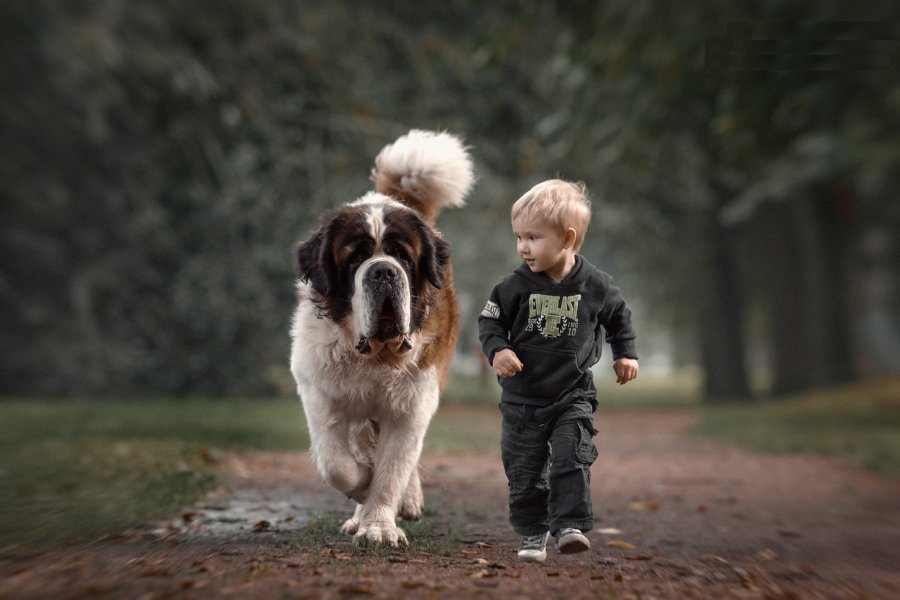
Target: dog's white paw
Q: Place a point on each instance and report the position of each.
(411, 508)
(382, 533)
(350, 526)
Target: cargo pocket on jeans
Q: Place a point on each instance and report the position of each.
(586, 453)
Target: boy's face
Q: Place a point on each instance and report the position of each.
(542, 247)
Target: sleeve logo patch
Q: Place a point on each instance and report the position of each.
(491, 310)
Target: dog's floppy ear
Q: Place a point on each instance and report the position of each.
(309, 262)
(435, 257)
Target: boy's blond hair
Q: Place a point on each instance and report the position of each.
(562, 204)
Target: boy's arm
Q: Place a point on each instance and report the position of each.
(620, 336)
(493, 331)
(616, 318)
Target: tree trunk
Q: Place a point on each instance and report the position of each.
(837, 212)
(784, 299)
(808, 244)
(722, 339)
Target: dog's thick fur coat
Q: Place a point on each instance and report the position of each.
(375, 327)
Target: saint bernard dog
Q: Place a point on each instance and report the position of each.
(375, 328)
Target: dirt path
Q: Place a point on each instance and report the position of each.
(675, 517)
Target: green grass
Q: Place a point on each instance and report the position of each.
(677, 391)
(74, 469)
(464, 428)
(858, 421)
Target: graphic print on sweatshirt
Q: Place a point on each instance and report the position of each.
(553, 316)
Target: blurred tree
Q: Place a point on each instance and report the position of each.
(160, 179)
(166, 157)
(729, 112)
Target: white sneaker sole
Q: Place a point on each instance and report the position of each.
(533, 555)
(573, 543)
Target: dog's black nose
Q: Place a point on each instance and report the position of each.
(383, 273)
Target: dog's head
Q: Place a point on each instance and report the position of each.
(373, 266)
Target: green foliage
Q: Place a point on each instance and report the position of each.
(165, 159)
(860, 421)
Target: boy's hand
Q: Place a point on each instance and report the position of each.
(626, 369)
(506, 363)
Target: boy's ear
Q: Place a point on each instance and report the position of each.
(569, 238)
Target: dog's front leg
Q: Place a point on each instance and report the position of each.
(396, 455)
(330, 445)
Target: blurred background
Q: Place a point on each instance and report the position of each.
(161, 160)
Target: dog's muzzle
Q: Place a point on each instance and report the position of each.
(386, 295)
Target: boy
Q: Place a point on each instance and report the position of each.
(541, 332)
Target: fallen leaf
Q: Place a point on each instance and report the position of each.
(357, 587)
(154, 571)
(190, 584)
(206, 455)
(261, 525)
(609, 531)
(712, 558)
(789, 533)
(767, 554)
(621, 544)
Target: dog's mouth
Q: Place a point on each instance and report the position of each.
(388, 330)
(388, 324)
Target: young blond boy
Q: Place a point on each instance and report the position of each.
(541, 331)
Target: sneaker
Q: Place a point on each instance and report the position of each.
(570, 541)
(533, 548)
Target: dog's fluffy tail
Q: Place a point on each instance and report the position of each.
(425, 170)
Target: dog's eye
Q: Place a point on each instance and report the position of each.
(346, 251)
(398, 251)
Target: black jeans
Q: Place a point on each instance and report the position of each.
(547, 454)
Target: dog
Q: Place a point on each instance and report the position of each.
(375, 328)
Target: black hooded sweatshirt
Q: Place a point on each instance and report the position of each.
(556, 330)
